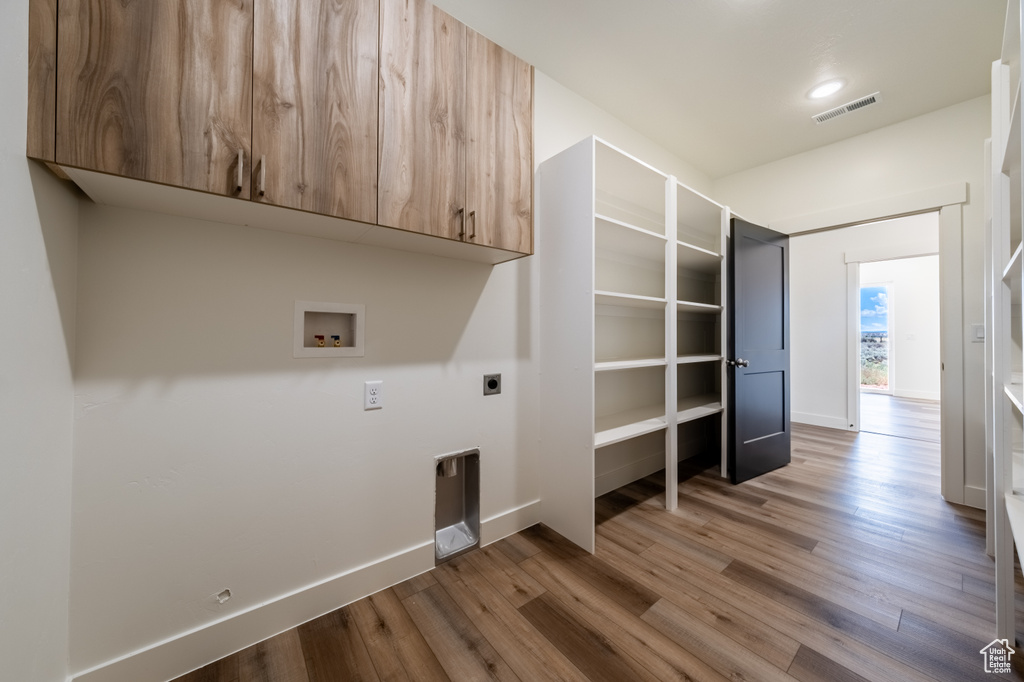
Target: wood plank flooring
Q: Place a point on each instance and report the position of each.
(901, 417)
(845, 565)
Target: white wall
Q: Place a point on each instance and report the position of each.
(914, 319)
(946, 146)
(562, 118)
(818, 311)
(206, 457)
(37, 309)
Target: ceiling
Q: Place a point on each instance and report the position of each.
(723, 84)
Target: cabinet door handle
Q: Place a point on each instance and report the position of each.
(241, 165)
(472, 220)
(263, 175)
(462, 223)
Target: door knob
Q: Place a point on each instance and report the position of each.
(738, 362)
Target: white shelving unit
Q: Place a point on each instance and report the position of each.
(632, 369)
(1005, 286)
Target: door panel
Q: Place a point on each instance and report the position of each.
(759, 409)
(422, 153)
(315, 106)
(764, 416)
(499, 159)
(763, 307)
(160, 91)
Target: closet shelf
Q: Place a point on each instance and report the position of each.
(698, 259)
(1013, 268)
(687, 359)
(612, 365)
(628, 300)
(1015, 510)
(638, 231)
(1011, 154)
(1018, 470)
(694, 307)
(1015, 392)
(622, 426)
(698, 218)
(616, 240)
(698, 406)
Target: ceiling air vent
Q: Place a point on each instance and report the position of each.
(847, 108)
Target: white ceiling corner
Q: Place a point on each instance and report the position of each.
(722, 83)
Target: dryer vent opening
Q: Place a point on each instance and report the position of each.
(456, 504)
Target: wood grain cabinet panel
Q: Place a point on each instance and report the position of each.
(160, 91)
(42, 78)
(422, 154)
(456, 131)
(315, 106)
(499, 158)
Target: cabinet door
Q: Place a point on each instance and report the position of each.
(315, 106)
(422, 119)
(42, 82)
(499, 158)
(160, 91)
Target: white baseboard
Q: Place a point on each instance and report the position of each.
(917, 395)
(509, 522)
(974, 496)
(188, 651)
(820, 420)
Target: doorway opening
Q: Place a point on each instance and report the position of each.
(819, 351)
(900, 376)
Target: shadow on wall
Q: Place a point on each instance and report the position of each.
(168, 296)
(59, 223)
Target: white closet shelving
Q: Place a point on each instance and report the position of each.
(1007, 359)
(632, 370)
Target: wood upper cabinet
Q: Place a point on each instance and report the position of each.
(42, 78)
(499, 155)
(160, 91)
(422, 156)
(315, 106)
(456, 131)
(387, 112)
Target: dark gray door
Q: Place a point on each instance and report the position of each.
(758, 414)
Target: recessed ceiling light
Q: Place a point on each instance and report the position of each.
(826, 89)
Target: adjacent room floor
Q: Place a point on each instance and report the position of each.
(900, 417)
(844, 565)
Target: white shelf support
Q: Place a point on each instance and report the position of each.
(671, 371)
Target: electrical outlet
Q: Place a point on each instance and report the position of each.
(373, 395)
(492, 384)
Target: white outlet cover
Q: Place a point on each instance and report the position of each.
(373, 395)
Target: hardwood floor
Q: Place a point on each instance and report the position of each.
(900, 417)
(844, 565)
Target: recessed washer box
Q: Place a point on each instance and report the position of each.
(329, 330)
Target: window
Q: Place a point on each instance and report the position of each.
(874, 338)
